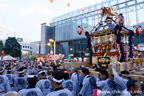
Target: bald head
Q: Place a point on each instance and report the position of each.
(11, 93)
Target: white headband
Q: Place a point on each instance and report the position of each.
(22, 71)
(58, 81)
(31, 76)
(41, 72)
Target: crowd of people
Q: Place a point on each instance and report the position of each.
(32, 78)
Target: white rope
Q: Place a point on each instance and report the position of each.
(118, 46)
(127, 48)
(111, 38)
(124, 39)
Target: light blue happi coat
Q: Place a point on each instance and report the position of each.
(107, 86)
(86, 88)
(77, 79)
(44, 85)
(125, 92)
(19, 66)
(121, 84)
(30, 92)
(62, 92)
(11, 78)
(20, 82)
(36, 70)
(4, 84)
(48, 77)
(70, 85)
(29, 69)
(120, 81)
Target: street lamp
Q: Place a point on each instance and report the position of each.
(51, 40)
(49, 44)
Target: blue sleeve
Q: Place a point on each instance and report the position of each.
(120, 81)
(100, 84)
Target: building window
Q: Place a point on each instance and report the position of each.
(25, 46)
(30, 52)
(28, 46)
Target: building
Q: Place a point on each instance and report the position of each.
(35, 47)
(46, 34)
(25, 48)
(28, 49)
(63, 29)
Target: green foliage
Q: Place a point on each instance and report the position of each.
(12, 47)
(34, 54)
(33, 58)
(1, 46)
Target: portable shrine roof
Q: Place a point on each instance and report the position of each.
(107, 27)
(104, 28)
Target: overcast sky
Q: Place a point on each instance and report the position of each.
(24, 17)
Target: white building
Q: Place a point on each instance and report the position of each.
(35, 47)
(28, 49)
(25, 48)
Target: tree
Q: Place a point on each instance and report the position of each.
(1, 46)
(34, 56)
(12, 47)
